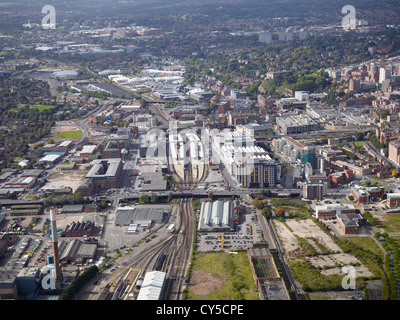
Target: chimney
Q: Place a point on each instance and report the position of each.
(55, 247)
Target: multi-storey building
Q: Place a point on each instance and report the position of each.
(295, 150)
(394, 151)
(314, 191)
(393, 200)
(250, 165)
(104, 174)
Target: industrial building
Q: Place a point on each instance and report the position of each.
(270, 285)
(103, 87)
(218, 216)
(76, 251)
(78, 229)
(129, 215)
(153, 286)
(104, 174)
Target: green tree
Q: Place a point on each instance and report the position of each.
(153, 198)
(267, 212)
(144, 198)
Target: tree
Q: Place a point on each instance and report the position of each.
(153, 198)
(103, 204)
(144, 198)
(267, 212)
(280, 212)
(258, 204)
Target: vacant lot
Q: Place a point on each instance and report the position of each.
(221, 276)
(328, 263)
(63, 180)
(303, 229)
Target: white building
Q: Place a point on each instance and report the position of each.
(384, 74)
(152, 286)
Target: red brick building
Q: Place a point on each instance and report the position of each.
(393, 200)
(349, 223)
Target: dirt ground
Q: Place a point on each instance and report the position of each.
(62, 180)
(303, 229)
(203, 283)
(306, 229)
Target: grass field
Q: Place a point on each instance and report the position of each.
(42, 107)
(71, 134)
(366, 243)
(238, 281)
(359, 143)
(390, 222)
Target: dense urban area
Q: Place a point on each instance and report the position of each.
(198, 150)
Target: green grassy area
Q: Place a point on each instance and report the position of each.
(71, 134)
(367, 244)
(359, 143)
(42, 107)
(390, 222)
(235, 268)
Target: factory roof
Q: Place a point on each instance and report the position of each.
(217, 214)
(98, 169)
(88, 149)
(130, 215)
(152, 286)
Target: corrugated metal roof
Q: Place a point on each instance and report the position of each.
(152, 286)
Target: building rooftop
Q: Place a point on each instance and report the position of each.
(104, 168)
(152, 286)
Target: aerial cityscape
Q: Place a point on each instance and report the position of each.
(200, 150)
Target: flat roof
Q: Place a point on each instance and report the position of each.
(129, 214)
(88, 149)
(111, 169)
(50, 158)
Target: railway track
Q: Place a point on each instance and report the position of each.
(171, 255)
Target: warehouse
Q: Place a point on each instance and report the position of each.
(79, 229)
(50, 158)
(126, 216)
(216, 216)
(76, 251)
(152, 286)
